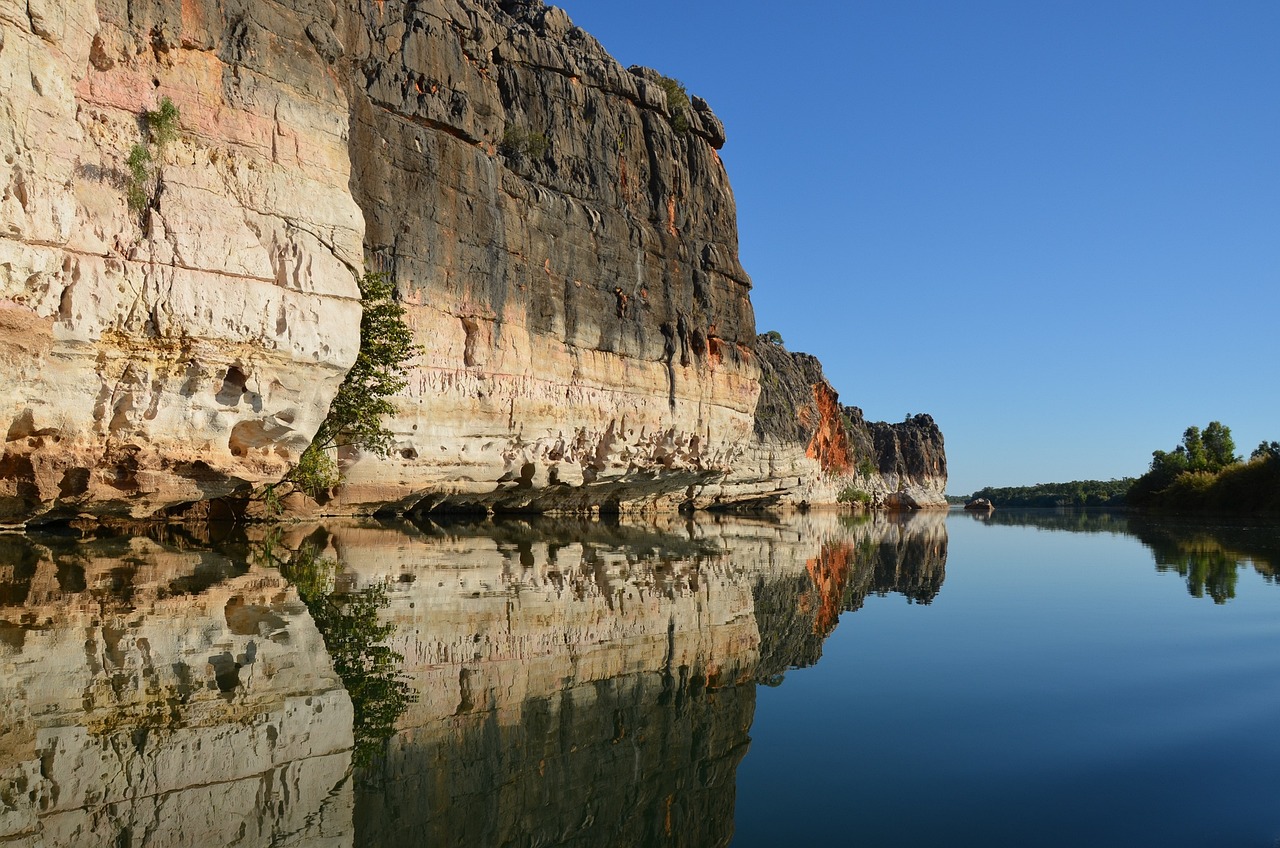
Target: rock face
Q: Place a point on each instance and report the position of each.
(561, 229)
(569, 255)
(171, 352)
(157, 696)
(809, 448)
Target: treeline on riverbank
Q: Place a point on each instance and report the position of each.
(1202, 474)
(1074, 493)
(1193, 479)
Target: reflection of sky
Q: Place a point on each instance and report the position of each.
(1059, 691)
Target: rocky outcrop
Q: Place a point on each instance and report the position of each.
(809, 448)
(568, 253)
(176, 351)
(560, 228)
(151, 695)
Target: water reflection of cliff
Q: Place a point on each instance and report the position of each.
(904, 554)
(581, 684)
(1208, 555)
(151, 695)
(577, 683)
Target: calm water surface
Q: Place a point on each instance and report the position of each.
(1025, 679)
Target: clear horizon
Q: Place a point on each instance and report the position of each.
(1053, 227)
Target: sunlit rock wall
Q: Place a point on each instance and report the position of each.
(155, 697)
(561, 229)
(809, 448)
(569, 256)
(171, 353)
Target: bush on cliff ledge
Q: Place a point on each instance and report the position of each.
(362, 402)
(677, 102)
(161, 131)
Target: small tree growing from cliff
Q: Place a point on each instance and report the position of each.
(362, 402)
(677, 102)
(162, 130)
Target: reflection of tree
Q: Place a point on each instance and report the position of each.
(1063, 518)
(1207, 567)
(1209, 556)
(348, 621)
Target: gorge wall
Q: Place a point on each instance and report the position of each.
(561, 230)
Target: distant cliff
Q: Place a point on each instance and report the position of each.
(803, 431)
(561, 229)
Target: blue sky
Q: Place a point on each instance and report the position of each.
(1053, 226)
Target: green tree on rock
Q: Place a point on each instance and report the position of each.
(363, 400)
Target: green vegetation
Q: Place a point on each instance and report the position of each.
(866, 466)
(163, 123)
(1212, 451)
(137, 192)
(162, 130)
(522, 141)
(362, 402)
(1203, 474)
(1074, 493)
(773, 337)
(853, 495)
(355, 639)
(677, 102)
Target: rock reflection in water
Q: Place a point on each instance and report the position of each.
(157, 696)
(581, 684)
(577, 683)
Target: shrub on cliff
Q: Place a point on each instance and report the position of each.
(362, 402)
(853, 495)
(137, 191)
(162, 130)
(522, 141)
(677, 102)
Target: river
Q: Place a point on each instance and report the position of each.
(1024, 678)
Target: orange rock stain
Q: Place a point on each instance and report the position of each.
(829, 445)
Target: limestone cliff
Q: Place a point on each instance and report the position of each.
(808, 447)
(570, 260)
(169, 353)
(561, 229)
